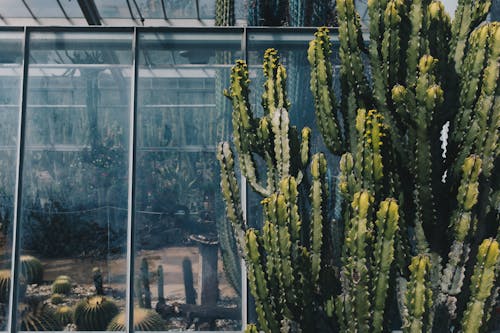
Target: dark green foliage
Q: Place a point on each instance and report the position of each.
(94, 313)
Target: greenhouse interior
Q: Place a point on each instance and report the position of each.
(112, 215)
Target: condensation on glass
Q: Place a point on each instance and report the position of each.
(11, 59)
(181, 116)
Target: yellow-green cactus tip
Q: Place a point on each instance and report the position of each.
(426, 63)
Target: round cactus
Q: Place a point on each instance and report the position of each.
(31, 269)
(56, 299)
(61, 285)
(144, 320)
(94, 313)
(38, 318)
(64, 314)
(4, 285)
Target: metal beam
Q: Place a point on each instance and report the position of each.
(90, 12)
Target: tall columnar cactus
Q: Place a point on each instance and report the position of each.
(419, 215)
(224, 13)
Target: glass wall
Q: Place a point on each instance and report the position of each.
(75, 175)
(181, 116)
(82, 86)
(11, 44)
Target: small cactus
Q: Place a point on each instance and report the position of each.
(144, 320)
(94, 313)
(97, 277)
(64, 314)
(56, 299)
(31, 269)
(61, 285)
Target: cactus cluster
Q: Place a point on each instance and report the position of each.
(419, 216)
(94, 313)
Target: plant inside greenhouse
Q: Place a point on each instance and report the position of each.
(358, 163)
(411, 240)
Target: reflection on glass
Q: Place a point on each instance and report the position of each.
(10, 79)
(74, 195)
(180, 270)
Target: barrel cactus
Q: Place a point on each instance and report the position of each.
(61, 285)
(94, 313)
(4, 285)
(32, 269)
(56, 299)
(144, 320)
(64, 314)
(38, 317)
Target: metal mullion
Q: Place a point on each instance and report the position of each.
(16, 230)
(243, 193)
(62, 10)
(164, 9)
(129, 308)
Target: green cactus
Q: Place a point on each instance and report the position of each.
(428, 75)
(97, 278)
(224, 13)
(145, 283)
(418, 298)
(187, 276)
(144, 320)
(61, 285)
(160, 285)
(64, 315)
(482, 282)
(56, 299)
(94, 313)
(31, 269)
(38, 317)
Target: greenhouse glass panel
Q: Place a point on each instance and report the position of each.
(181, 117)
(10, 87)
(73, 218)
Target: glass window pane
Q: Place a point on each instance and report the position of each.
(45, 8)
(13, 8)
(74, 195)
(150, 9)
(182, 115)
(10, 87)
(113, 8)
(181, 9)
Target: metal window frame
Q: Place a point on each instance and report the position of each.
(248, 34)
